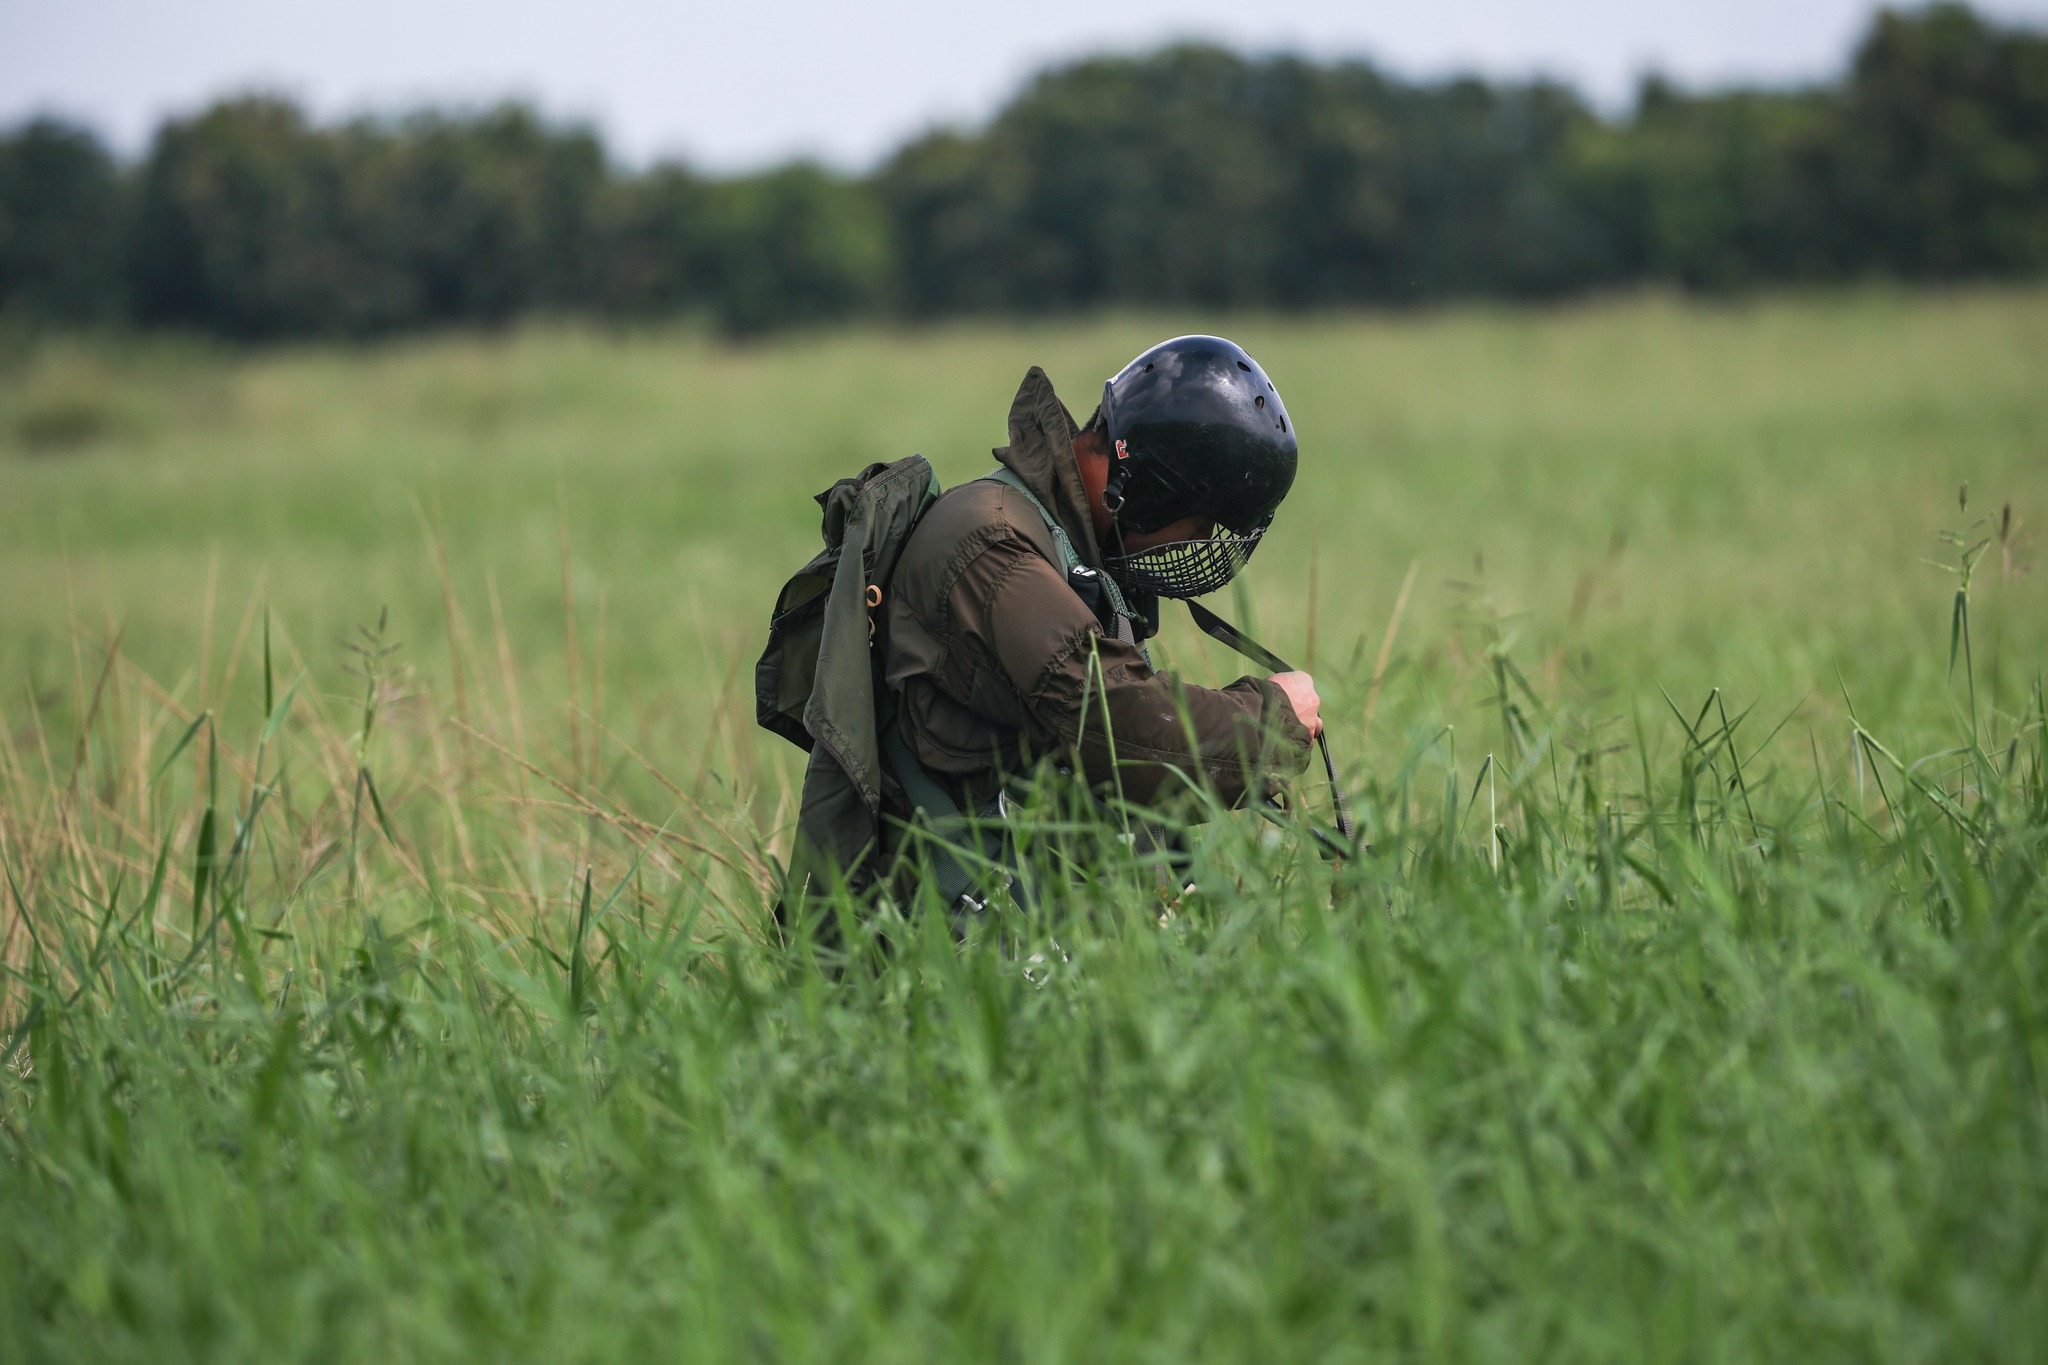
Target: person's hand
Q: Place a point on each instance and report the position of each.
(1301, 693)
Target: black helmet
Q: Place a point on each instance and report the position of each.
(1197, 430)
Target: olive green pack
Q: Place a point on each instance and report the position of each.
(818, 683)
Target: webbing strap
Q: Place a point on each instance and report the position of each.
(954, 873)
(1072, 557)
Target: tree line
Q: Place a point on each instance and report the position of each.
(1192, 175)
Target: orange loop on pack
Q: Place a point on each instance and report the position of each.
(874, 595)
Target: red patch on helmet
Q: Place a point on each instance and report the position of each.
(1123, 452)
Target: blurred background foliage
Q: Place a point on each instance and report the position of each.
(1188, 177)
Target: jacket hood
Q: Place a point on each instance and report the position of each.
(1041, 452)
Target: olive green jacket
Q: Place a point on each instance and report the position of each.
(999, 663)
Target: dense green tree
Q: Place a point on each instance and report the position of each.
(244, 227)
(1945, 144)
(484, 218)
(1489, 208)
(1194, 175)
(1191, 175)
(60, 225)
(1719, 191)
(793, 245)
(254, 224)
(654, 244)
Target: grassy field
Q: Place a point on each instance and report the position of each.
(386, 846)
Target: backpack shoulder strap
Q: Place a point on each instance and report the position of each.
(1070, 557)
(949, 833)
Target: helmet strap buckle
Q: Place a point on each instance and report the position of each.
(1113, 490)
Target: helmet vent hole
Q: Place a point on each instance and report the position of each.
(1242, 366)
(1283, 424)
(1260, 401)
(1148, 369)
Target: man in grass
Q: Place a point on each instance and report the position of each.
(1020, 606)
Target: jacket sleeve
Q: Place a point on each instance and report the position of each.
(1135, 731)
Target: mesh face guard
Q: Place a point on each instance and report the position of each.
(1185, 568)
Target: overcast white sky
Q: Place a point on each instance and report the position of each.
(744, 83)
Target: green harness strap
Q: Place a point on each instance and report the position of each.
(1071, 557)
(952, 868)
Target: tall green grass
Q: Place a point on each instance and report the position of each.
(1670, 1048)
(413, 996)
